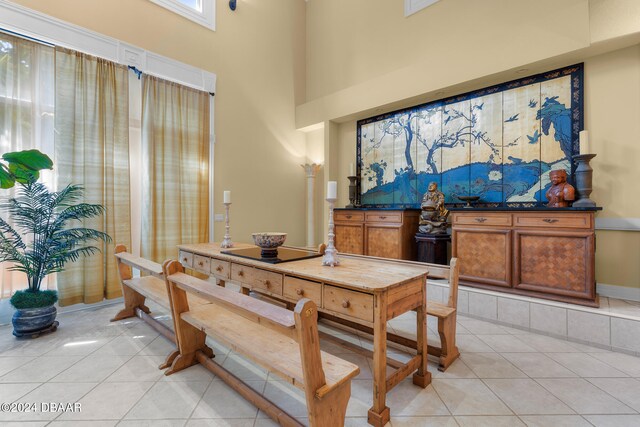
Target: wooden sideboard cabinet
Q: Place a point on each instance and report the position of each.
(542, 253)
(380, 232)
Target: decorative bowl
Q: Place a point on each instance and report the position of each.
(269, 242)
(469, 200)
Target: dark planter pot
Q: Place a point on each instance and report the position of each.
(34, 321)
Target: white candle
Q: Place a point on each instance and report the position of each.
(332, 190)
(227, 196)
(351, 172)
(584, 143)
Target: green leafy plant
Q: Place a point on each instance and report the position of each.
(43, 239)
(23, 167)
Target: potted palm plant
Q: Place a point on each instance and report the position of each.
(42, 238)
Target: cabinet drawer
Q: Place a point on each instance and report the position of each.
(267, 280)
(241, 273)
(220, 269)
(384, 217)
(569, 220)
(186, 258)
(201, 263)
(482, 219)
(351, 303)
(348, 216)
(295, 288)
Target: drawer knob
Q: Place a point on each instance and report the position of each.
(241, 273)
(481, 219)
(346, 303)
(267, 283)
(383, 217)
(219, 268)
(200, 263)
(348, 216)
(184, 259)
(549, 220)
(300, 292)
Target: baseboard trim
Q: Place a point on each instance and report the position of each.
(620, 292)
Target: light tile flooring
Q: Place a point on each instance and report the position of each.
(505, 377)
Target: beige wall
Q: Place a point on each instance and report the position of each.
(257, 53)
(365, 66)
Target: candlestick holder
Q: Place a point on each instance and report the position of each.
(584, 179)
(330, 253)
(353, 192)
(226, 242)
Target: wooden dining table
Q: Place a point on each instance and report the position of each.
(361, 291)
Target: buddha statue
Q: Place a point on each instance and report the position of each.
(561, 193)
(433, 218)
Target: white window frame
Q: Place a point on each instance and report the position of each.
(413, 6)
(206, 18)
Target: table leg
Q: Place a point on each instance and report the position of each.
(379, 414)
(422, 378)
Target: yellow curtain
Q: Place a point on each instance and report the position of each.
(175, 156)
(26, 120)
(92, 149)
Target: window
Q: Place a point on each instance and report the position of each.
(413, 6)
(202, 12)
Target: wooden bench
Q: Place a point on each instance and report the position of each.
(136, 290)
(284, 342)
(446, 314)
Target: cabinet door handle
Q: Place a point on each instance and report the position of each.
(300, 292)
(481, 219)
(549, 220)
(219, 268)
(383, 217)
(349, 216)
(346, 303)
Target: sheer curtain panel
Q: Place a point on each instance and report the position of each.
(175, 157)
(92, 149)
(26, 119)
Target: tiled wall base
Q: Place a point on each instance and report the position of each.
(597, 327)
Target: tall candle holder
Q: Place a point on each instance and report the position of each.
(584, 179)
(226, 242)
(353, 192)
(330, 253)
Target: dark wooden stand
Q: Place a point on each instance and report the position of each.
(432, 248)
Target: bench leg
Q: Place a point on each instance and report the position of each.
(447, 332)
(132, 300)
(331, 410)
(169, 360)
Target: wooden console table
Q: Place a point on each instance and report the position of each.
(385, 233)
(367, 292)
(541, 252)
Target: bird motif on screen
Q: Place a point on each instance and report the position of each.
(512, 118)
(535, 138)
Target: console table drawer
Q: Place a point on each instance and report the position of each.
(202, 263)
(268, 280)
(241, 273)
(482, 219)
(295, 289)
(220, 269)
(351, 303)
(384, 217)
(186, 259)
(348, 216)
(555, 221)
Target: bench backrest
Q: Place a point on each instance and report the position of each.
(126, 261)
(450, 272)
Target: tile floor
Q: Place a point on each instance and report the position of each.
(505, 377)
